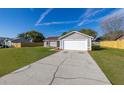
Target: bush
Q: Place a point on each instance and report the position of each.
(96, 47)
(4, 46)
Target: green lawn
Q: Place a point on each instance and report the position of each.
(14, 58)
(111, 62)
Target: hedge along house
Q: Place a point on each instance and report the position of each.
(72, 41)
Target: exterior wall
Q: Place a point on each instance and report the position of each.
(53, 43)
(75, 36)
(45, 44)
(61, 44)
(8, 43)
(50, 44)
(89, 44)
(113, 44)
(16, 45)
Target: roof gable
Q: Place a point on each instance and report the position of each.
(73, 32)
(20, 40)
(52, 38)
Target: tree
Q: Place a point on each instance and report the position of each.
(89, 32)
(112, 35)
(34, 35)
(23, 35)
(64, 33)
(112, 24)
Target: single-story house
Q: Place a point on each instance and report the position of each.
(71, 41)
(9, 42)
(5, 42)
(17, 43)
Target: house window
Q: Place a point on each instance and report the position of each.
(47, 43)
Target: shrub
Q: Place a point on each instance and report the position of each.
(96, 47)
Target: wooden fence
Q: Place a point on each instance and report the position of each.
(19, 45)
(113, 44)
(31, 44)
(16, 45)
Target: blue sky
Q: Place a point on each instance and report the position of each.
(52, 22)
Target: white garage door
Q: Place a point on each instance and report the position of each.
(76, 45)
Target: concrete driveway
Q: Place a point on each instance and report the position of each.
(62, 68)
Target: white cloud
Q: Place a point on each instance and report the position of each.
(115, 14)
(55, 23)
(88, 12)
(39, 22)
(43, 15)
(87, 21)
(82, 22)
(96, 12)
(85, 18)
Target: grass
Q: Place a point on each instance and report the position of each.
(13, 58)
(111, 61)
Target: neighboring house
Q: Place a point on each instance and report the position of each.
(71, 41)
(17, 43)
(1, 42)
(5, 42)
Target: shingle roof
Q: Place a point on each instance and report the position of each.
(20, 40)
(52, 38)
